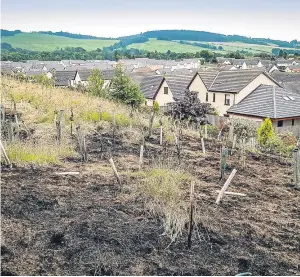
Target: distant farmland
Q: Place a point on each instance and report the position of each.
(43, 42)
(164, 46)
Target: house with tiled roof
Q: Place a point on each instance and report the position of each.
(280, 105)
(156, 88)
(290, 81)
(230, 87)
(67, 78)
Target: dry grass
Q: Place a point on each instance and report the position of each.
(40, 154)
(165, 197)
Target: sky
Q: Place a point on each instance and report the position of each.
(275, 19)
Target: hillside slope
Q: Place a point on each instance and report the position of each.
(45, 42)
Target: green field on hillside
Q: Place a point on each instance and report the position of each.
(163, 46)
(43, 42)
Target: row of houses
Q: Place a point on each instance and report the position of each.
(225, 89)
(253, 94)
(285, 65)
(162, 66)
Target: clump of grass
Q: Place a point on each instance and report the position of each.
(163, 191)
(23, 153)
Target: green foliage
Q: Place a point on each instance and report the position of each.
(44, 80)
(156, 107)
(265, 133)
(244, 128)
(121, 119)
(124, 90)
(23, 153)
(96, 84)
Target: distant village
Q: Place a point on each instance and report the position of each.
(250, 88)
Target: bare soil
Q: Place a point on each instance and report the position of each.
(83, 225)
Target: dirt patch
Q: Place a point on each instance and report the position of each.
(82, 224)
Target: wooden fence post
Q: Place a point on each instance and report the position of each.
(131, 117)
(227, 183)
(203, 146)
(141, 156)
(223, 160)
(161, 132)
(151, 124)
(10, 130)
(205, 131)
(190, 229)
(71, 121)
(296, 156)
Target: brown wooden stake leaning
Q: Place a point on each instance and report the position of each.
(227, 183)
(5, 155)
(191, 215)
(115, 172)
(141, 157)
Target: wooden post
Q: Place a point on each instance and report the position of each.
(115, 172)
(223, 160)
(71, 121)
(203, 146)
(190, 229)
(234, 142)
(141, 156)
(5, 155)
(296, 156)
(131, 116)
(205, 131)
(227, 183)
(84, 154)
(161, 131)
(10, 130)
(151, 123)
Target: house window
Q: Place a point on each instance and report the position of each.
(227, 99)
(280, 123)
(293, 122)
(207, 97)
(166, 90)
(214, 97)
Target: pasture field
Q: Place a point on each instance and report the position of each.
(163, 46)
(43, 42)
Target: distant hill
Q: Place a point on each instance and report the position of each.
(215, 37)
(159, 40)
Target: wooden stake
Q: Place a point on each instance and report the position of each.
(5, 155)
(232, 193)
(203, 146)
(115, 172)
(223, 161)
(141, 156)
(205, 131)
(296, 155)
(190, 229)
(234, 142)
(67, 173)
(151, 123)
(227, 183)
(161, 132)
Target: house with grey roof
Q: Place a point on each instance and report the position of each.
(156, 88)
(280, 105)
(230, 87)
(67, 78)
(290, 81)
